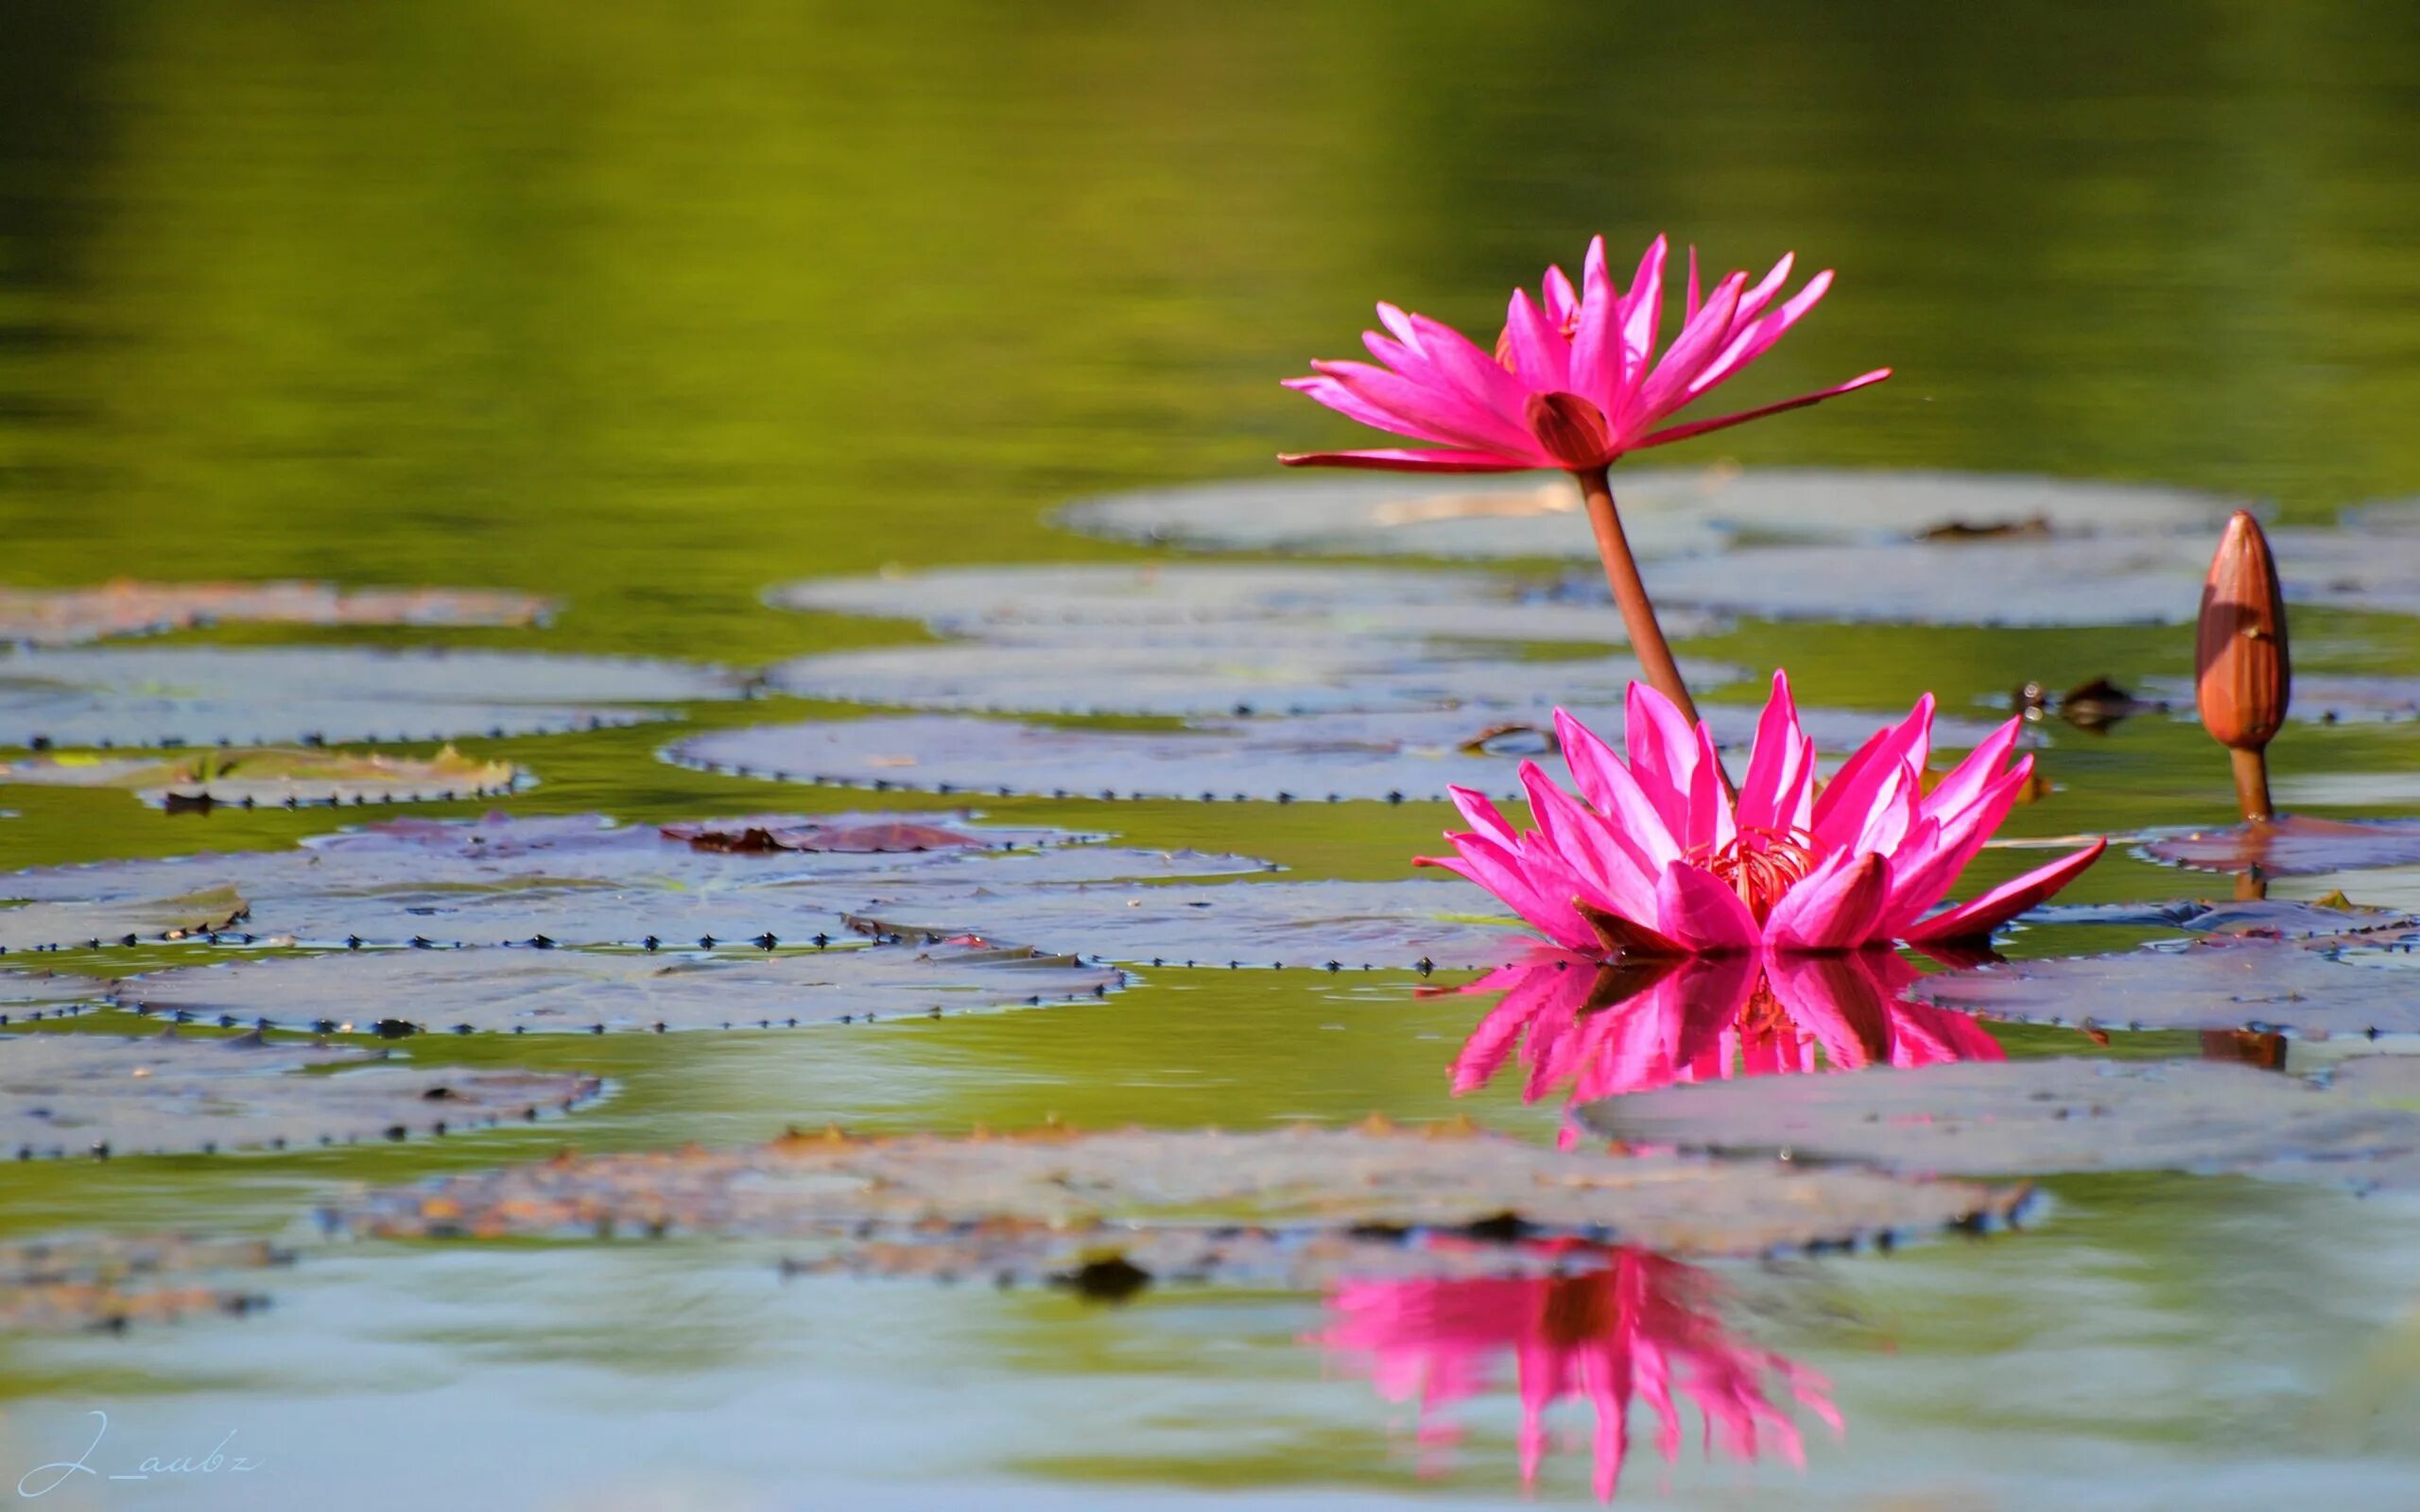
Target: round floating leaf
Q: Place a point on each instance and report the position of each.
(275, 777)
(1109, 674)
(1390, 757)
(2036, 581)
(116, 912)
(1329, 924)
(575, 879)
(200, 695)
(2041, 1116)
(2292, 846)
(43, 990)
(78, 1093)
(63, 616)
(2304, 987)
(513, 990)
(110, 1280)
(2319, 699)
(1302, 1180)
(1666, 513)
(2284, 918)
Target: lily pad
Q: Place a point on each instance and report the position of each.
(1335, 925)
(115, 915)
(64, 616)
(198, 696)
(275, 777)
(504, 990)
(1392, 758)
(1113, 674)
(2301, 987)
(2041, 1116)
(2292, 846)
(1248, 603)
(1302, 1180)
(43, 991)
(85, 1094)
(2280, 918)
(111, 1280)
(577, 879)
(2324, 698)
(1665, 512)
(2036, 582)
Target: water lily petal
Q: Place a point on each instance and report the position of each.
(1837, 907)
(1978, 918)
(1416, 459)
(1682, 432)
(1699, 910)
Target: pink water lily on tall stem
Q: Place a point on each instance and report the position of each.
(1655, 858)
(1574, 382)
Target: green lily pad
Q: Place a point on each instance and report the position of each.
(64, 616)
(275, 777)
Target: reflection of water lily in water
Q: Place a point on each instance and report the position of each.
(1633, 1326)
(1601, 1030)
(1656, 858)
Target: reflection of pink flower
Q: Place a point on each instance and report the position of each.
(1572, 384)
(1659, 860)
(1638, 1325)
(1604, 1030)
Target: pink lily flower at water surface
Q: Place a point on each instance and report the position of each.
(1655, 858)
(1574, 382)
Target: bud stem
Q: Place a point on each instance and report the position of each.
(2252, 783)
(1630, 594)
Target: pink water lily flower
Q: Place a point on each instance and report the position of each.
(1657, 860)
(1574, 380)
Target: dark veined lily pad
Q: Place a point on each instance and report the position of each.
(2292, 846)
(115, 915)
(63, 616)
(2314, 988)
(275, 777)
(1665, 512)
(1172, 603)
(85, 1094)
(580, 880)
(200, 695)
(2035, 1117)
(111, 1280)
(1302, 1180)
(1338, 925)
(2039, 581)
(508, 990)
(1390, 757)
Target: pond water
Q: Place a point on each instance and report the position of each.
(648, 308)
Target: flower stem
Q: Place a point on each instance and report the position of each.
(2252, 784)
(1630, 594)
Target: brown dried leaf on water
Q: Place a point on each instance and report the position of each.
(64, 616)
(333, 694)
(2314, 988)
(2292, 845)
(85, 1094)
(112, 915)
(1666, 512)
(513, 991)
(77, 1282)
(2035, 1117)
(1399, 757)
(1302, 1180)
(275, 777)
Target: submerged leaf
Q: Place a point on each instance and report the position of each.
(1304, 1181)
(63, 616)
(84, 1093)
(506, 991)
(275, 777)
(2042, 1116)
(200, 695)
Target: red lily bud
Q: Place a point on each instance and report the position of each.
(1572, 430)
(2240, 665)
(2241, 675)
